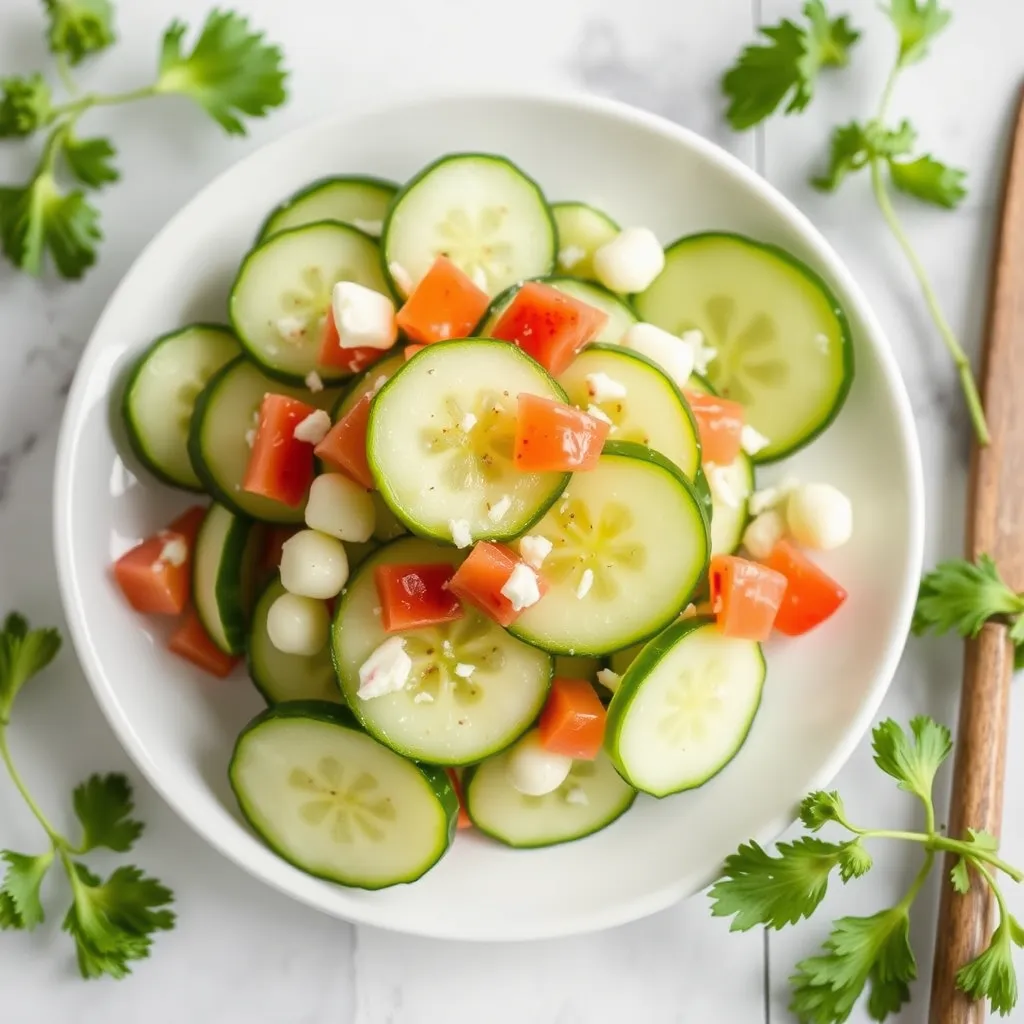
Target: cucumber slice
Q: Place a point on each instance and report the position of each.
(620, 315)
(335, 803)
(684, 707)
(367, 382)
(482, 212)
(357, 200)
(284, 677)
(459, 720)
(582, 230)
(619, 661)
(225, 412)
(577, 668)
(783, 342)
(430, 470)
(289, 278)
(223, 575)
(728, 521)
(653, 412)
(386, 525)
(161, 393)
(636, 526)
(590, 799)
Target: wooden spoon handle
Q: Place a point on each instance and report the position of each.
(977, 800)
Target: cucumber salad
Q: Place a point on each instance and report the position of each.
(483, 521)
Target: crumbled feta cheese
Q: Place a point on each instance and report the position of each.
(313, 382)
(368, 227)
(630, 261)
(752, 440)
(769, 497)
(364, 318)
(671, 354)
(314, 428)
(290, 328)
(401, 277)
(575, 795)
(586, 582)
(479, 278)
(446, 648)
(702, 354)
(464, 671)
(521, 588)
(499, 509)
(423, 698)
(598, 413)
(608, 679)
(386, 670)
(379, 383)
(763, 532)
(721, 486)
(601, 387)
(819, 516)
(467, 423)
(570, 255)
(461, 535)
(175, 550)
(250, 436)
(533, 550)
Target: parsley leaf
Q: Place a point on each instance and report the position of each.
(918, 22)
(930, 181)
(960, 877)
(80, 27)
(788, 64)
(991, 975)
(960, 596)
(103, 805)
(850, 151)
(854, 861)
(24, 652)
(818, 809)
(858, 950)
(231, 71)
(20, 906)
(25, 105)
(912, 764)
(90, 160)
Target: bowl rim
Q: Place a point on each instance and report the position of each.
(600, 917)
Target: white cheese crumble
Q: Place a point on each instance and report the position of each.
(314, 428)
(586, 582)
(630, 261)
(364, 318)
(533, 550)
(670, 353)
(608, 679)
(703, 354)
(379, 383)
(499, 509)
(598, 413)
(467, 423)
(479, 278)
(763, 532)
(401, 277)
(386, 670)
(521, 588)
(769, 497)
(819, 516)
(313, 382)
(290, 328)
(461, 535)
(752, 441)
(575, 795)
(250, 436)
(721, 487)
(423, 698)
(368, 227)
(175, 551)
(601, 387)
(570, 255)
(447, 649)
(464, 671)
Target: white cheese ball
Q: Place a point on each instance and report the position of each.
(313, 565)
(341, 508)
(665, 350)
(298, 625)
(630, 262)
(763, 532)
(534, 771)
(819, 516)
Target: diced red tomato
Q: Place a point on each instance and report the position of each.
(554, 437)
(270, 557)
(745, 596)
(281, 467)
(412, 596)
(149, 578)
(332, 354)
(411, 350)
(191, 642)
(344, 448)
(573, 720)
(549, 325)
(811, 597)
(719, 423)
(464, 819)
(482, 575)
(445, 304)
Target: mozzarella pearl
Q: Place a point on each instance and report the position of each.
(630, 261)
(298, 625)
(534, 771)
(672, 354)
(763, 532)
(819, 516)
(313, 565)
(340, 508)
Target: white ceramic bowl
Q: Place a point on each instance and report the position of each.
(822, 691)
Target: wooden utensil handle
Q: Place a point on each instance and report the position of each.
(976, 801)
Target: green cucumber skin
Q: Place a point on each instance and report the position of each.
(506, 296)
(423, 172)
(315, 186)
(632, 683)
(840, 314)
(343, 403)
(339, 714)
(133, 440)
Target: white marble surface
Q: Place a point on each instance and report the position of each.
(242, 953)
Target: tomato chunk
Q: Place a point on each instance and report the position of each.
(554, 437)
(482, 575)
(719, 424)
(270, 556)
(191, 642)
(344, 448)
(155, 575)
(573, 720)
(549, 325)
(745, 596)
(445, 304)
(411, 350)
(412, 596)
(280, 467)
(811, 597)
(332, 354)
(464, 819)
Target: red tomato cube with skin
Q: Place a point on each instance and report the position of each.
(719, 425)
(573, 720)
(480, 578)
(413, 596)
(280, 467)
(811, 596)
(549, 325)
(344, 447)
(552, 437)
(190, 641)
(355, 360)
(745, 596)
(444, 304)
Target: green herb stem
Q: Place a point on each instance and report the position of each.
(5, 755)
(919, 879)
(90, 100)
(932, 841)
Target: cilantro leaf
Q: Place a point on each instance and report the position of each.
(80, 27)
(859, 950)
(20, 906)
(960, 877)
(918, 22)
(788, 64)
(103, 804)
(849, 151)
(912, 764)
(231, 70)
(991, 974)
(930, 181)
(25, 105)
(760, 889)
(112, 922)
(24, 652)
(854, 861)
(90, 160)
(960, 596)
(818, 809)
